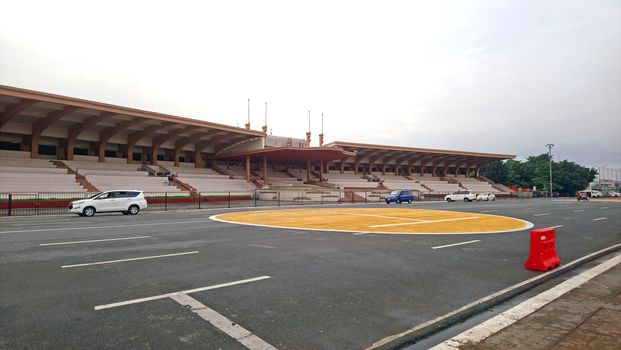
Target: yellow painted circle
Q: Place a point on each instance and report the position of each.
(378, 220)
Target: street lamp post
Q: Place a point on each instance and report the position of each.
(550, 145)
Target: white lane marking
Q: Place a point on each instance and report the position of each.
(579, 210)
(598, 219)
(359, 233)
(486, 329)
(110, 226)
(371, 215)
(188, 291)
(391, 338)
(557, 226)
(530, 208)
(425, 222)
(130, 259)
(94, 240)
(488, 211)
(455, 244)
(543, 214)
(224, 324)
(262, 246)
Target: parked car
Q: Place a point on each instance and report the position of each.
(463, 195)
(128, 202)
(582, 196)
(596, 194)
(614, 194)
(486, 196)
(400, 196)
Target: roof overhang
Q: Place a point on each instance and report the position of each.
(299, 155)
(351, 146)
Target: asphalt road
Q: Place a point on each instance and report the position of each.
(326, 290)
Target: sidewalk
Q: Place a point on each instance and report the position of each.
(588, 317)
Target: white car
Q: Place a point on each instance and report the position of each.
(463, 195)
(486, 196)
(128, 202)
(596, 194)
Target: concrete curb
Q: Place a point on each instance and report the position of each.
(427, 329)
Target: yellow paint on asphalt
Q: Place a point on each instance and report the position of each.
(378, 220)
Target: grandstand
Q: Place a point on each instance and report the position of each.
(74, 145)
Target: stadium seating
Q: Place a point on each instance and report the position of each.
(348, 180)
(18, 175)
(396, 182)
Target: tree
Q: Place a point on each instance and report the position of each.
(567, 177)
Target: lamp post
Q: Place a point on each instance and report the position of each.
(550, 145)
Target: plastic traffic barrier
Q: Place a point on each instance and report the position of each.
(542, 255)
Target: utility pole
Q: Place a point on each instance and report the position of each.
(550, 145)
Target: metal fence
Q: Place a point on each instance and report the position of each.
(54, 203)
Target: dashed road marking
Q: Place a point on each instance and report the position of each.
(542, 214)
(579, 210)
(188, 291)
(262, 246)
(598, 219)
(94, 241)
(224, 324)
(130, 259)
(455, 244)
(488, 211)
(557, 226)
(109, 226)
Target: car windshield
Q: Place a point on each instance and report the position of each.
(95, 195)
(395, 192)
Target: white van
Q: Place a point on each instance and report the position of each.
(463, 195)
(128, 202)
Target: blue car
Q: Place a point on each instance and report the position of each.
(400, 196)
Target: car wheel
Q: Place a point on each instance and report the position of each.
(387, 202)
(80, 214)
(449, 200)
(133, 209)
(466, 200)
(88, 211)
(410, 201)
(398, 201)
(493, 199)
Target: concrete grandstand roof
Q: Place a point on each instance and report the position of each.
(351, 146)
(291, 154)
(36, 113)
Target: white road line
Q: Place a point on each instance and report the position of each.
(486, 329)
(455, 244)
(598, 219)
(423, 325)
(110, 226)
(557, 226)
(371, 215)
(543, 214)
(94, 240)
(130, 259)
(425, 222)
(235, 331)
(488, 211)
(162, 296)
(262, 246)
(530, 208)
(579, 210)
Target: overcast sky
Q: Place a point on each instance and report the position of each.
(490, 76)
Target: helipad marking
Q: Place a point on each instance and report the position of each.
(376, 220)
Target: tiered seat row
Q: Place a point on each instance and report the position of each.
(348, 180)
(440, 186)
(144, 183)
(18, 175)
(219, 186)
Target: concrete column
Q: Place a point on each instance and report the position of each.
(34, 146)
(264, 168)
(342, 167)
(356, 167)
(70, 147)
(383, 169)
(321, 167)
(248, 168)
(308, 171)
(130, 153)
(177, 151)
